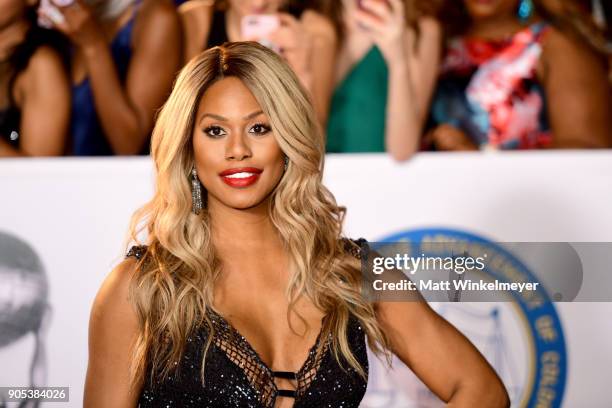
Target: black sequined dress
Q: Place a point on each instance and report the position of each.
(236, 376)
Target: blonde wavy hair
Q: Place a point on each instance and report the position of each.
(173, 284)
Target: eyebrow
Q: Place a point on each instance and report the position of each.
(224, 119)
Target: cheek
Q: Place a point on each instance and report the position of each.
(270, 153)
(206, 157)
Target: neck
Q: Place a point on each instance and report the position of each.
(495, 28)
(11, 35)
(236, 231)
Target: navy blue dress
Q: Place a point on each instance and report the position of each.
(88, 138)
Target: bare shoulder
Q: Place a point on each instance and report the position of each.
(113, 330)
(318, 24)
(44, 68)
(156, 15)
(45, 61)
(558, 46)
(45, 57)
(112, 303)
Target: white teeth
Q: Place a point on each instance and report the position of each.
(240, 175)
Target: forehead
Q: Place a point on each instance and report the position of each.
(228, 97)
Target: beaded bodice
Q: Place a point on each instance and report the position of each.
(236, 376)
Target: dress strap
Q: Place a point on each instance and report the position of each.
(355, 247)
(289, 375)
(286, 393)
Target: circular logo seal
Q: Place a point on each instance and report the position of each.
(522, 339)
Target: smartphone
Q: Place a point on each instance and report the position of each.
(259, 26)
(51, 14)
(362, 7)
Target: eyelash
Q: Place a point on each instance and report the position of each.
(264, 129)
(209, 129)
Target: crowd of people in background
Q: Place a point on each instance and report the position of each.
(86, 77)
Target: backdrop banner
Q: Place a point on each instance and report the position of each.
(63, 225)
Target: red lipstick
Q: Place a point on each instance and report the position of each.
(240, 177)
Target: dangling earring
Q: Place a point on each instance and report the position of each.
(286, 162)
(196, 193)
(525, 10)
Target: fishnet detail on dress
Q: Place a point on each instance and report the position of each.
(308, 372)
(236, 348)
(260, 376)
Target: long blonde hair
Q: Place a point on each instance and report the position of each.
(174, 282)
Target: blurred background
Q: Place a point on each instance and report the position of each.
(86, 77)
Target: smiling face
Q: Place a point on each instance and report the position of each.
(237, 157)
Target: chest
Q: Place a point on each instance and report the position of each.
(355, 46)
(280, 338)
(233, 376)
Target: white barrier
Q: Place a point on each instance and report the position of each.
(74, 214)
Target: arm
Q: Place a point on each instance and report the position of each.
(127, 111)
(322, 60)
(578, 94)
(43, 94)
(411, 83)
(440, 355)
(308, 45)
(127, 115)
(412, 62)
(113, 329)
(195, 19)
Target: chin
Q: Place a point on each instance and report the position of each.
(243, 201)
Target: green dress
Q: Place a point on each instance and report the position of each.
(357, 114)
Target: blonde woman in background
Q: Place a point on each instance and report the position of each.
(246, 294)
(305, 38)
(387, 68)
(126, 54)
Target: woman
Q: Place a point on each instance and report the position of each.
(34, 87)
(115, 90)
(517, 75)
(385, 75)
(246, 295)
(304, 38)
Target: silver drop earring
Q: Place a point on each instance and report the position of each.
(286, 162)
(196, 193)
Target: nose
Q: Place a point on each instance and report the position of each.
(237, 148)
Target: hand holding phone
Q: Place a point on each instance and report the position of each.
(258, 26)
(362, 6)
(49, 13)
